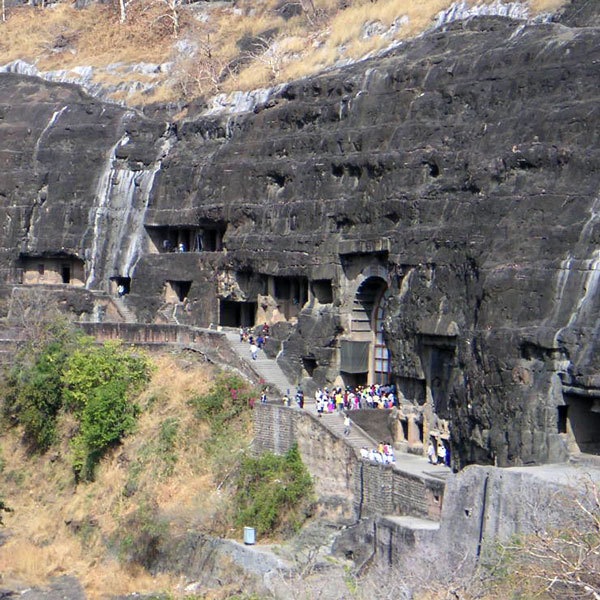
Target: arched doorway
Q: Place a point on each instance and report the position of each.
(364, 354)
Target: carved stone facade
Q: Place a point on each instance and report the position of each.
(430, 216)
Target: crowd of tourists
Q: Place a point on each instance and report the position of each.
(340, 399)
(383, 454)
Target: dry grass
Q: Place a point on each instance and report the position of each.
(59, 528)
(543, 6)
(62, 37)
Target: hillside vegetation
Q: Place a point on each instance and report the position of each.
(169, 50)
(96, 473)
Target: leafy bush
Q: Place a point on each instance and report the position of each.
(90, 367)
(99, 382)
(228, 398)
(107, 416)
(141, 534)
(68, 372)
(33, 389)
(273, 492)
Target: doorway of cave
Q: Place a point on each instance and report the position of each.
(237, 314)
(177, 291)
(579, 420)
(120, 286)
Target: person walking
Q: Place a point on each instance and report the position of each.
(347, 424)
(441, 452)
(254, 351)
(431, 454)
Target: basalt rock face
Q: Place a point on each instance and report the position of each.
(449, 188)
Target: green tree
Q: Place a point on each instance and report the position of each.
(100, 383)
(91, 366)
(273, 492)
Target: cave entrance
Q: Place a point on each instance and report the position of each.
(65, 271)
(237, 314)
(120, 285)
(322, 290)
(291, 294)
(211, 238)
(58, 269)
(187, 238)
(174, 239)
(177, 291)
(366, 356)
(438, 357)
(579, 420)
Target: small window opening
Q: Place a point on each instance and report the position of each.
(41, 269)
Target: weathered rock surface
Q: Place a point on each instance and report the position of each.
(461, 172)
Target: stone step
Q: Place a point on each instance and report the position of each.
(412, 523)
(265, 367)
(127, 315)
(357, 438)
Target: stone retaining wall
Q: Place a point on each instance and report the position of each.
(349, 488)
(137, 333)
(330, 461)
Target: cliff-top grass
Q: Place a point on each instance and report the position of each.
(218, 47)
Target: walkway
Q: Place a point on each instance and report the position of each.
(270, 371)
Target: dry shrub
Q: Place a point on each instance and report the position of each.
(63, 37)
(543, 6)
(313, 62)
(59, 528)
(256, 75)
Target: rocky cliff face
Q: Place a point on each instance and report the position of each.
(439, 203)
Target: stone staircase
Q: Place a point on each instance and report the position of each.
(357, 438)
(127, 315)
(265, 367)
